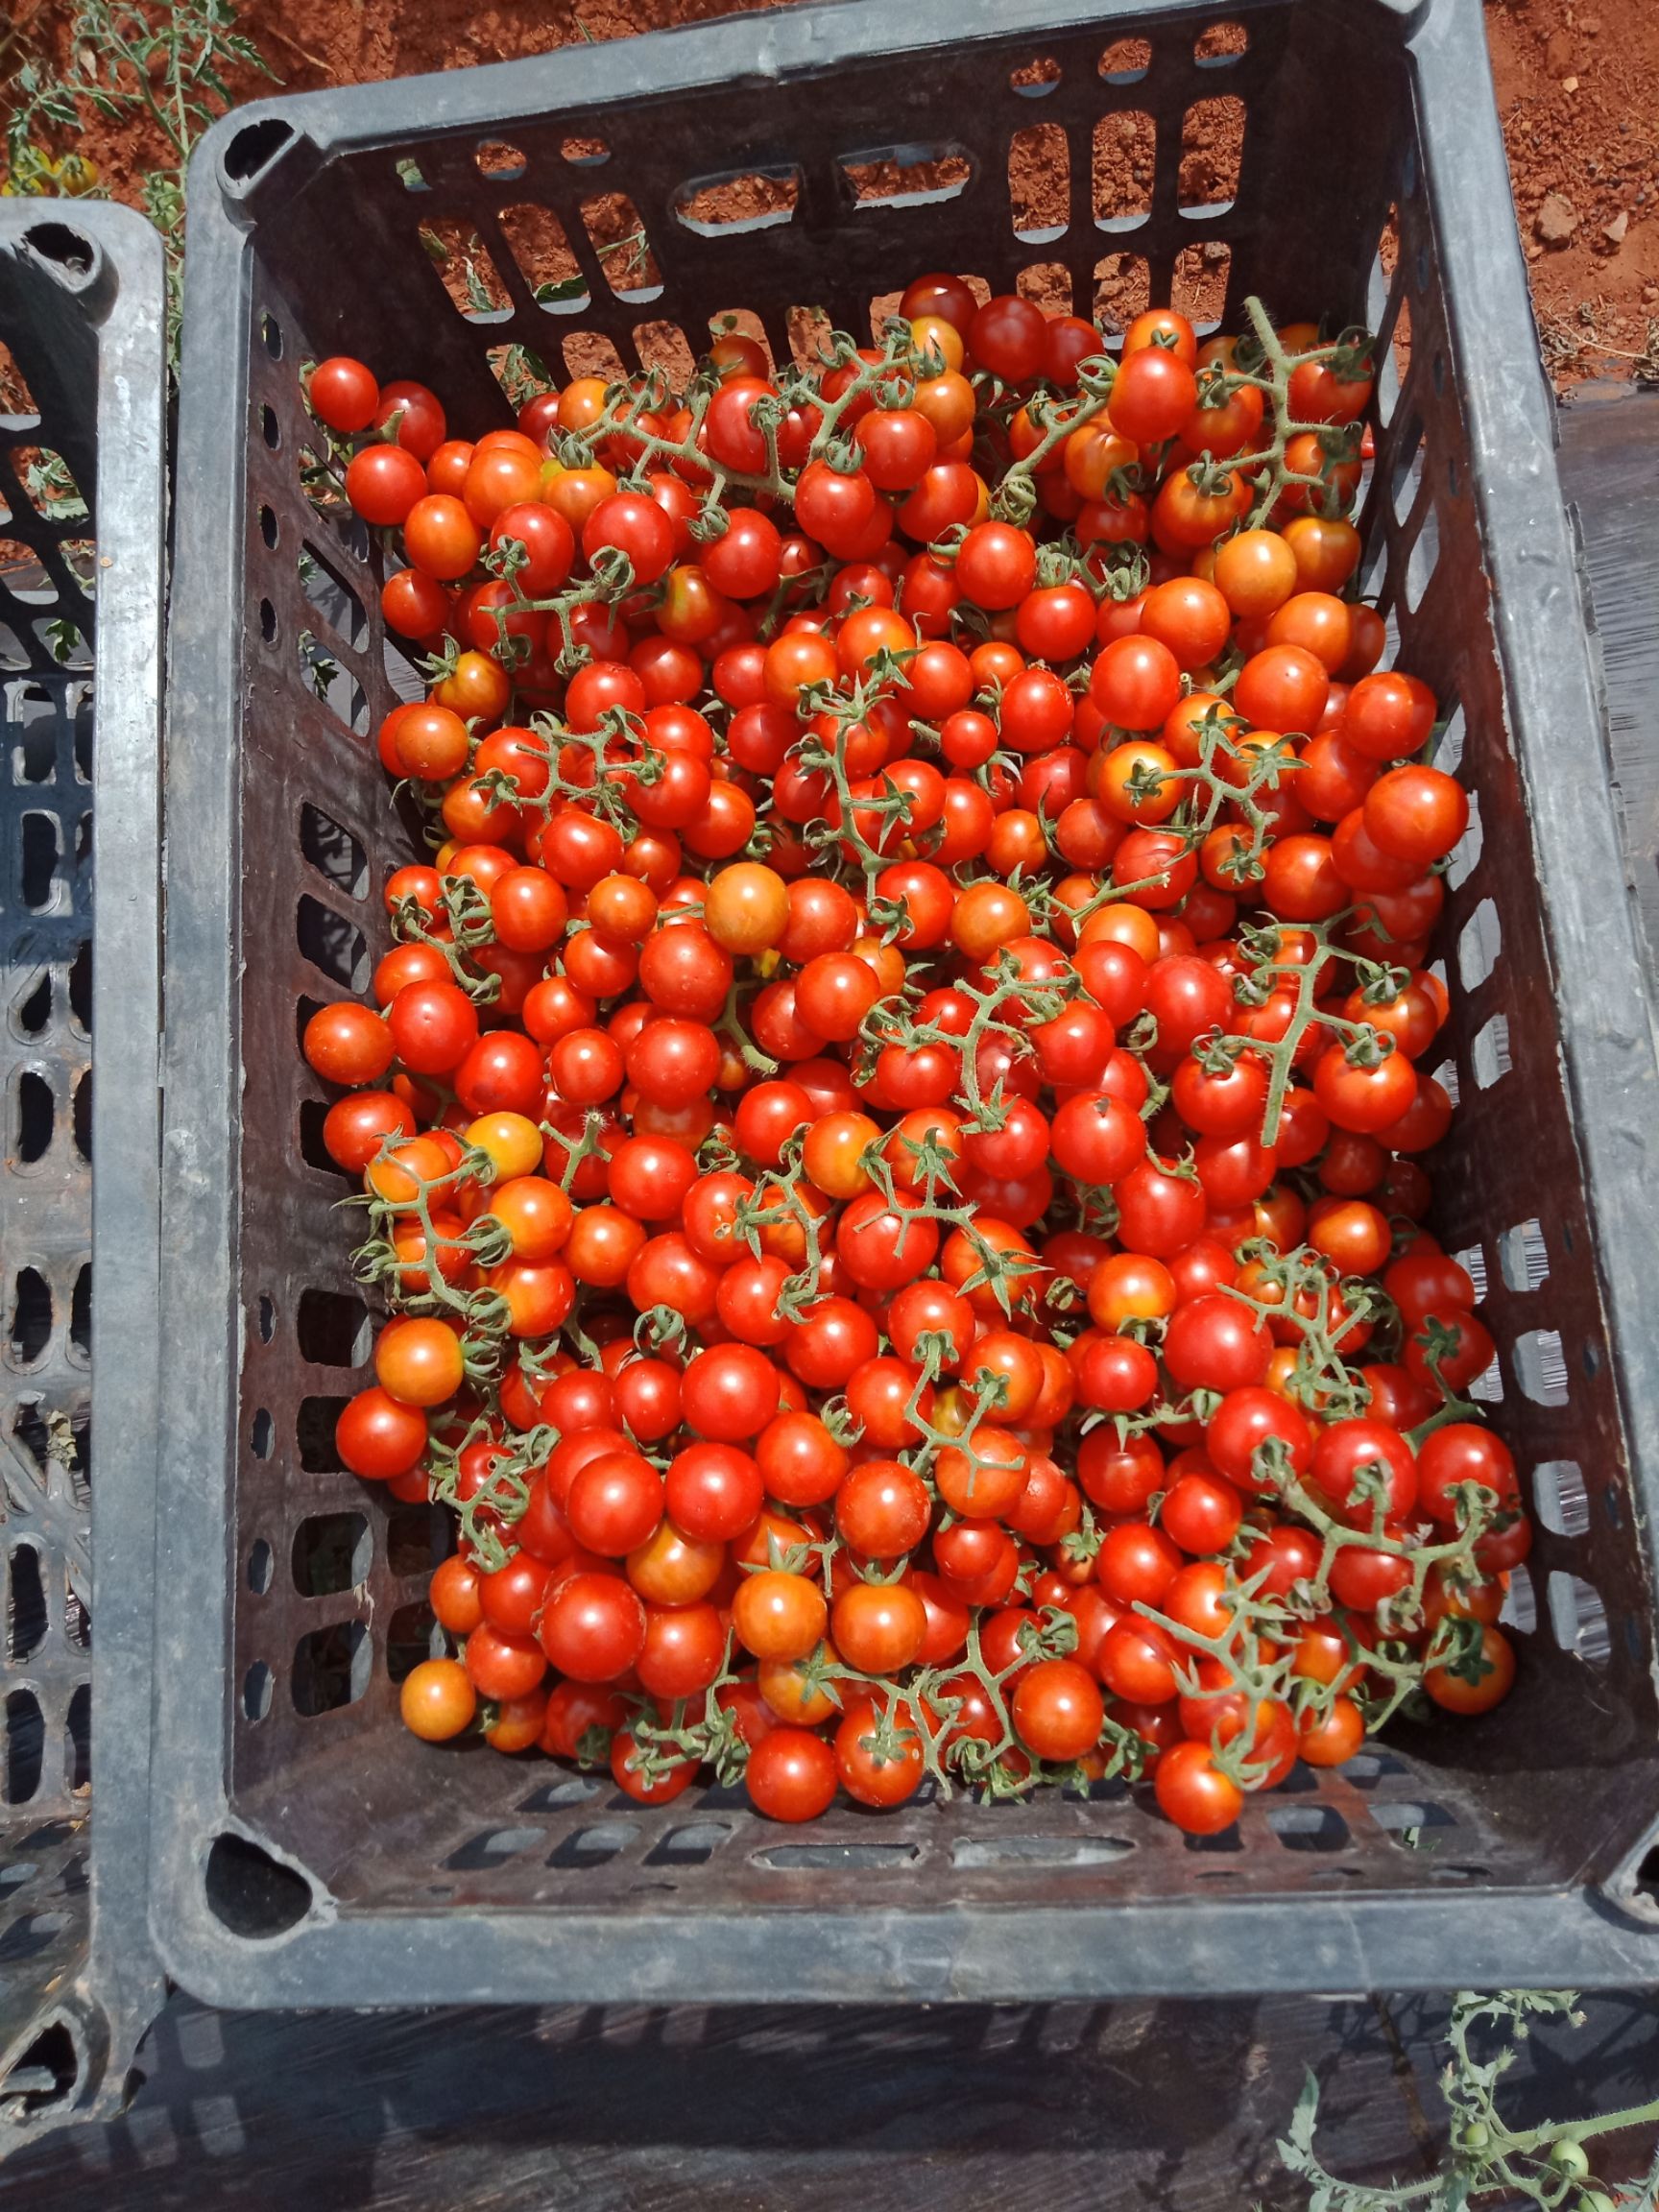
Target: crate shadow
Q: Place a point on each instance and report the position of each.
(795, 2107)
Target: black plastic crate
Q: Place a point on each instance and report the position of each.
(82, 406)
(306, 1850)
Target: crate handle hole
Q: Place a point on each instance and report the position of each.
(254, 147)
(252, 1893)
(46, 2073)
(66, 249)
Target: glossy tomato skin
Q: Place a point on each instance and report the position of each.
(379, 1438)
(592, 1628)
(791, 1775)
(437, 1701)
(1194, 1792)
(1058, 1710)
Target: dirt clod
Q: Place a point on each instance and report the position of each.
(1557, 220)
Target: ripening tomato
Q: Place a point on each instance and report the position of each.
(779, 1615)
(437, 1701)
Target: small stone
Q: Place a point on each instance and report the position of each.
(1569, 83)
(1616, 230)
(1557, 220)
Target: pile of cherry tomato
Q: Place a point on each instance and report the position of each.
(892, 1127)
